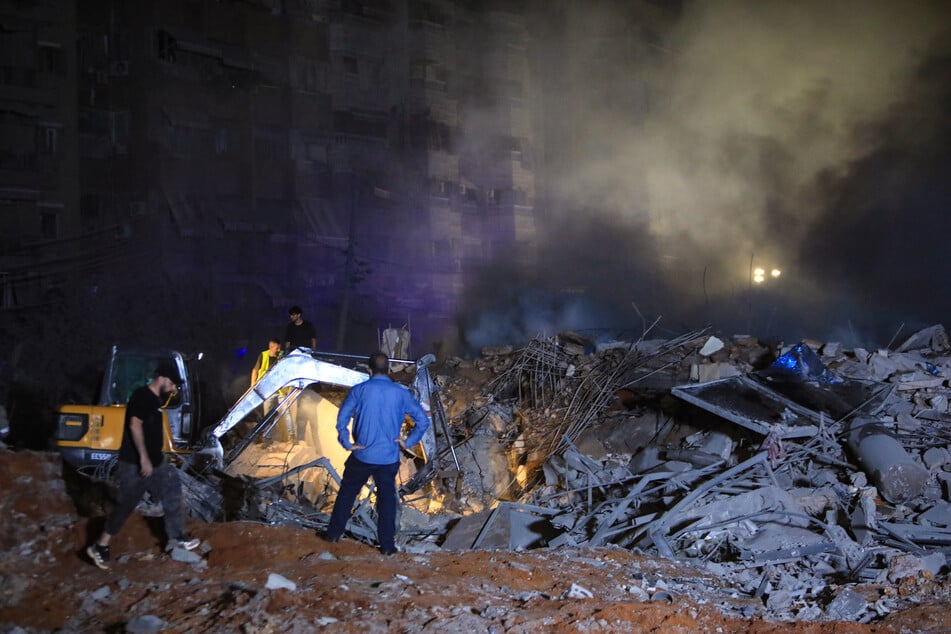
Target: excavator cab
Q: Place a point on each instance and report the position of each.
(91, 435)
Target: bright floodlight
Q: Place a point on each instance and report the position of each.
(775, 272)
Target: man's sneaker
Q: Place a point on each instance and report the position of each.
(183, 544)
(99, 555)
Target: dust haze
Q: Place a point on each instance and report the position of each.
(691, 143)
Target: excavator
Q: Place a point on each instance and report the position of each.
(89, 436)
(273, 480)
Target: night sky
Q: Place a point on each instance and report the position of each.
(811, 137)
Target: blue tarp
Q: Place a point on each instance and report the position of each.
(804, 362)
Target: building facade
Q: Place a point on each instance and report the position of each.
(357, 158)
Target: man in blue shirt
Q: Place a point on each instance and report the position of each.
(378, 407)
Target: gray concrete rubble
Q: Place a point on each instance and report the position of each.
(789, 473)
(792, 471)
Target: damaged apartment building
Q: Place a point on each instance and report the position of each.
(382, 148)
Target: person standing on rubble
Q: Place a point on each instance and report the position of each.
(265, 361)
(378, 407)
(299, 333)
(143, 468)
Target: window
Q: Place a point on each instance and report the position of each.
(360, 124)
(427, 12)
(317, 152)
(48, 140)
(52, 60)
(222, 143)
(165, 46)
(48, 224)
(308, 77)
(89, 205)
(119, 121)
(270, 145)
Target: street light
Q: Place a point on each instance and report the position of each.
(759, 275)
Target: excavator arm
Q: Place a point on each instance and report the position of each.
(298, 369)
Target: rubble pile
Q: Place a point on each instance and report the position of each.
(793, 478)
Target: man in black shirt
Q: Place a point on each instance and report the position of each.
(143, 468)
(300, 333)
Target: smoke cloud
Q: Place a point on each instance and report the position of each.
(807, 137)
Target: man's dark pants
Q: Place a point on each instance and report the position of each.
(355, 475)
(164, 484)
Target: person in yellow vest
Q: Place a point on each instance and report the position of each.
(265, 361)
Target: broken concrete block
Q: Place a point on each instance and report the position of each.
(903, 566)
(936, 457)
(145, 623)
(712, 371)
(185, 556)
(779, 600)
(831, 349)
(508, 526)
(853, 552)
(938, 515)
(847, 606)
(934, 563)
(882, 367)
(934, 338)
(554, 469)
(712, 345)
(646, 459)
(573, 349)
(276, 581)
(939, 403)
(578, 592)
(773, 541)
(854, 369)
(917, 381)
(717, 443)
(906, 422)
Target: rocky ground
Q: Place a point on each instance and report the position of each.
(47, 584)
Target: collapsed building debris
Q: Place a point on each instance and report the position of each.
(789, 479)
(826, 465)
